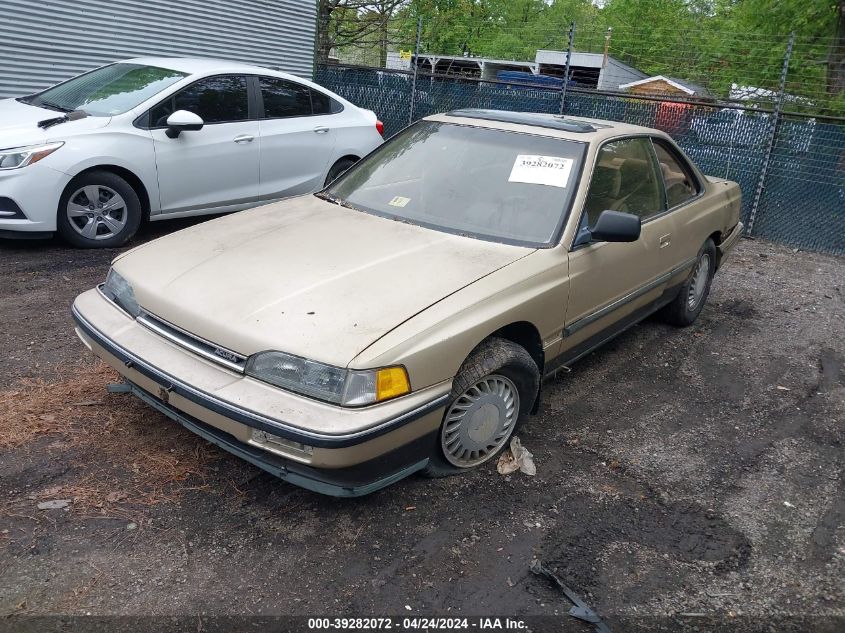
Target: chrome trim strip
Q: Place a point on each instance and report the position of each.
(148, 320)
(189, 341)
(588, 319)
(246, 416)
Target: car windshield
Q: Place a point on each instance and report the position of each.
(489, 184)
(107, 91)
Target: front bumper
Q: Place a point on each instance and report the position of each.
(35, 191)
(352, 481)
(349, 451)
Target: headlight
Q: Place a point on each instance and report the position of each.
(118, 290)
(18, 157)
(346, 387)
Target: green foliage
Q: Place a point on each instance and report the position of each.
(713, 43)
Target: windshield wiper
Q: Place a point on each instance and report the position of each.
(56, 106)
(74, 115)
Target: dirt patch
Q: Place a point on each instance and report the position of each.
(679, 471)
(74, 419)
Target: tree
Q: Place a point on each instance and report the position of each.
(835, 83)
(360, 23)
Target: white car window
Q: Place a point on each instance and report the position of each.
(220, 99)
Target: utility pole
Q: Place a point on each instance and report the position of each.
(415, 61)
(566, 71)
(773, 130)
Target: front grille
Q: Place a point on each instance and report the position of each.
(196, 344)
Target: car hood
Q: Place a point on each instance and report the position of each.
(19, 124)
(304, 276)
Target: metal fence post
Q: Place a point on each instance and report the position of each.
(416, 62)
(773, 130)
(566, 70)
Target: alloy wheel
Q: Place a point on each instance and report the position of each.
(97, 212)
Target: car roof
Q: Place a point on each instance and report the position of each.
(568, 127)
(199, 65)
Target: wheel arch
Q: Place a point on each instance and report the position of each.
(129, 176)
(716, 236)
(527, 336)
(352, 157)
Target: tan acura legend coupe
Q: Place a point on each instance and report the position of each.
(403, 318)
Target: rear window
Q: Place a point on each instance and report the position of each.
(324, 104)
(284, 98)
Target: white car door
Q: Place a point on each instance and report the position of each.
(215, 168)
(297, 138)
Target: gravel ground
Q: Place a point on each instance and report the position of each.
(685, 479)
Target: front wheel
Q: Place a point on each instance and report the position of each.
(98, 209)
(496, 385)
(689, 303)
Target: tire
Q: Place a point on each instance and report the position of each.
(685, 308)
(338, 169)
(85, 219)
(496, 367)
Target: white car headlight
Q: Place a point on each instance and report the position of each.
(118, 290)
(18, 157)
(345, 387)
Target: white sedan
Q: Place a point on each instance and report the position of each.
(157, 138)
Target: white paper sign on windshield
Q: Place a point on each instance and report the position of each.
(541, 170)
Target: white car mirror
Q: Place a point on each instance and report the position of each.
(183, 121)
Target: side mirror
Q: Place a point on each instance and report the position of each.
(182, 121)
(615, 226)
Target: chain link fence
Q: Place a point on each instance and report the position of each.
(757, 114)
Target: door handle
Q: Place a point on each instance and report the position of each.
(665, 241)
(321, 130)
(244, 138)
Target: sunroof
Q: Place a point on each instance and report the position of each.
(553, 122)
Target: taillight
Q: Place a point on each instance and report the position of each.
(380, 127)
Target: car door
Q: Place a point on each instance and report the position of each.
(297, 138)
(215, 167)
(686, 207)
(614, 284)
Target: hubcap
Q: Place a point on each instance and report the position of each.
(97, 212)
(699, 281)
(480, 421)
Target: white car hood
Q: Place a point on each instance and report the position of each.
(19, 124)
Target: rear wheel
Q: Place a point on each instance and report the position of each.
(98, 209)
(689, 303)
(338, 169)
(496, 385)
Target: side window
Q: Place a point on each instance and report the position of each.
(284, 98)
(324, 104)
(624, 179)
(215, 99)
(677, 178)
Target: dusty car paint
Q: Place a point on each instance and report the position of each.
(340, 286)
